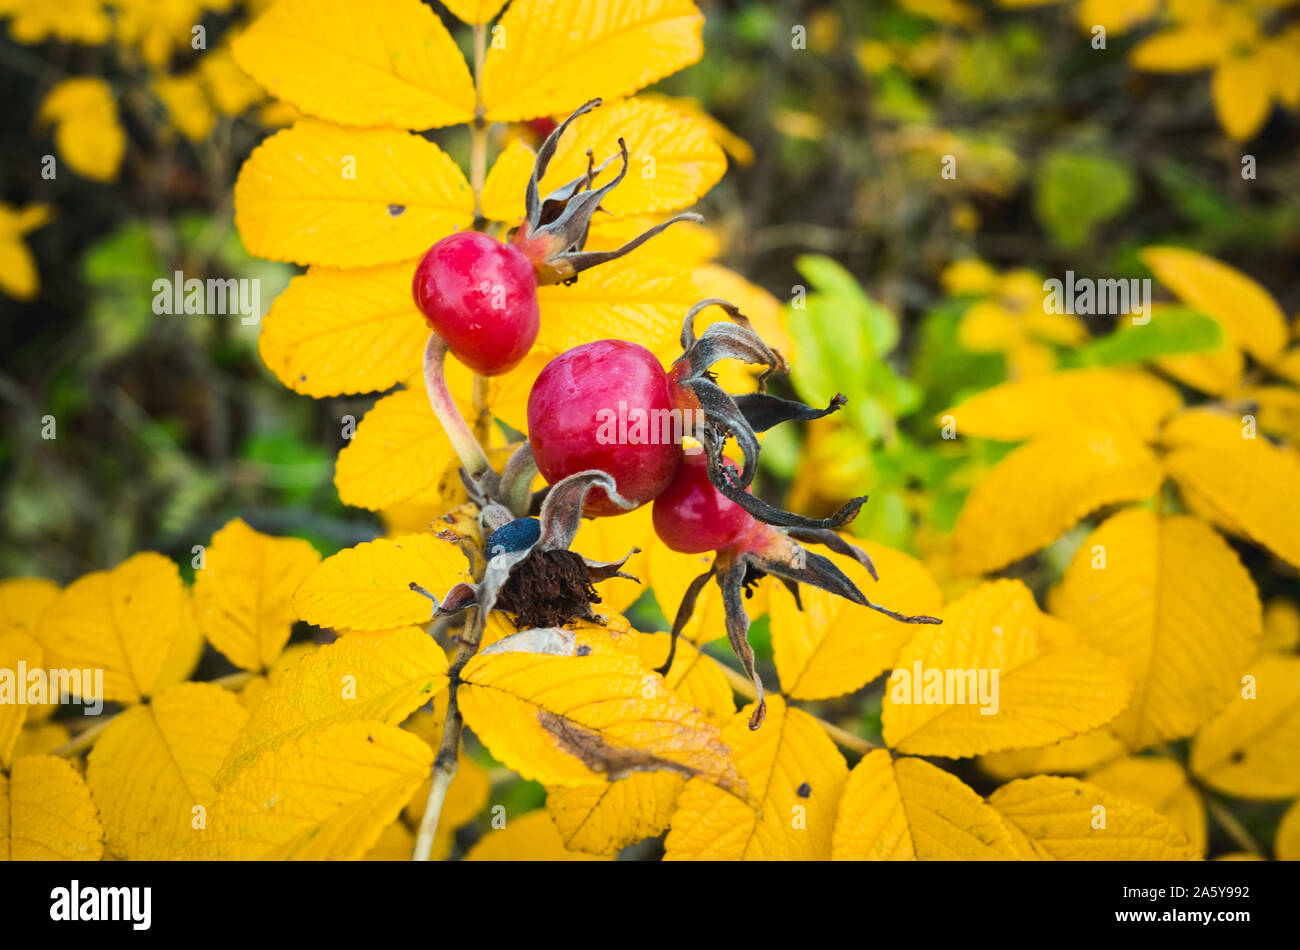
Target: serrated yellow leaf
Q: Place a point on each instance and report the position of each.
(502, 198)
(530, 837)
(575, 720)
(380, 677)
(1241, 88)
(937, 698)
(322, 795)
(40, 739)
(241, 596)
(908, 808)
(320, 194)
(795, 777)
(1170, 598)
(368, 587)
(1069, 756)
(694, 677)
(630, 299)
(16, 647)
(46, 813)
(1070, 399)
(672, 159)
(1244, 485)
(1216, 372)
(257, 687)
(387, 62)
(333, 332)
(185, 652)
(603, 819)
(833, 646)
(1246, 311)
(87, 133)
(1286, 845)
(557, 54)
(24, 600)
(1070, 820)
(1249, 749)
(1161, 784)
(124, 621)
(474, 11)
(151, 770)
(1043, 488)
(686, 243)
(399, 451)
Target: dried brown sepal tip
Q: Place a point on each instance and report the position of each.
(527, 567)
(741, 417)
(775, 551)
(554, 231)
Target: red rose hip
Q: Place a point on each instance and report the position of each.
(693, 517)
(480, 296)
(603, 405)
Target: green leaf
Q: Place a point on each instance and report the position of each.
(1074, 193)
(1176, 330)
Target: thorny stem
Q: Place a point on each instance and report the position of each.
(741, 684)
(444, 407)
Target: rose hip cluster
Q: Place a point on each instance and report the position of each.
(479, 297)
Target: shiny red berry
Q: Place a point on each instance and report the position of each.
(480, 296)
(606, 405)
(693, 517)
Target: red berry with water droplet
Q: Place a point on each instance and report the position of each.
(604, 405)
(480, 296)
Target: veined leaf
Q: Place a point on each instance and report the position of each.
(908, 808)
(381, 677)
(557, 54)
(1161, 784)
(241, 596)
(1248, 750)
(1170, 598)
(1069, 820)
(24, 600)
(399, 451)
(151, 771)
(1069, 756)
(942, 699)
(474, 11)
(16, 646)
(367, 587)
(387, 62)
(316, 193)
(530, 837)
(602, 819)
(46, 813)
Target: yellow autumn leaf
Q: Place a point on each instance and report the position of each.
(1281, 626)
(1063, 818)
(395, 843)
(530, 837)
(832, 646)
(151, 770)
(334, 332)
(257, 687)
(502, 197)
(1249, 749)
(40, 739)
(1180, 49)
(609, 539)
(695, 677)
(1217, 371)
(24, 600)
(603, 819)
(731, 143)
(1169, 597)
(1043, 488)
(87, 132)
(46, 813)
(187, 105)
(466, 796)
(19, 277)
(316, 193)
(229, 87)
(1286, 845)
(686, 244)
(1069, 756)
(795, 776)
(554, 55)
(241, 596)
(996, 675)
(1241, 88)
(323, 795)
(635, 298)
(1242, 483)
(385, 62)
(18, 651)
(367, 587)
(381, 677)
(908, 808)
(585, 719)
(1246, 311)
(1161, 784)
(672, 158)
(124, 621)
(474, 11)
(1070, 399)
(399, 451)
(1277, 409)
